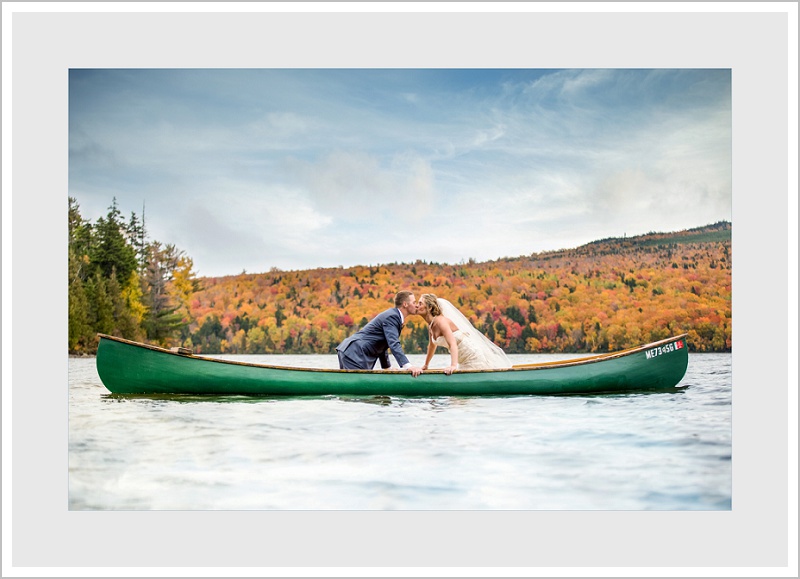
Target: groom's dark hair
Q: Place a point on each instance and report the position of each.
(401, 297)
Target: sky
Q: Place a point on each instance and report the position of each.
(251, 169)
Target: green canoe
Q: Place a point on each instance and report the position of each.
(127, 367)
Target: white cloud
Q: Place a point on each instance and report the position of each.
(277, 130)
(305, 169)
(353, 186)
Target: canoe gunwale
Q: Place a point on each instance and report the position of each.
(517, 368)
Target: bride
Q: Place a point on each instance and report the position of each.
(447, 327)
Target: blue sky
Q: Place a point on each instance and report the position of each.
(249, 169)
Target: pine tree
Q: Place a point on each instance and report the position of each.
(80, 238)
(101, 311)
(161, 321)
(78, 327)
(489, 327)
(79, 323)
(111, 251)
(137, 238)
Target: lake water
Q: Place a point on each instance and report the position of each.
(643, 452)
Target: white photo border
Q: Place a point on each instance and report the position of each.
(42, 41)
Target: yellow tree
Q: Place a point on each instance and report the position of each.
(184, 284)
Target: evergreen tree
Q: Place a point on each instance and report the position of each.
(111, 251)
(513, 313)
(101, 311)
(80, 239)
(79, 325)
(161, 321)
(527, 332)
(489, 327)
(500, 328)
(79, 328)
(119, 284)
(137, 238)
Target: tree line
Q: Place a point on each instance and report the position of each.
(604, 296)
(601, 297)
(124, 284)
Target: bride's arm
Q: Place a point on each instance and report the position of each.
(431, 352)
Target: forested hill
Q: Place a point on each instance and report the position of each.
(603, 296)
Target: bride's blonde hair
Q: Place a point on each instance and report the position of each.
(432, 304)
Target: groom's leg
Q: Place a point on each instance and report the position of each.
(346, 363)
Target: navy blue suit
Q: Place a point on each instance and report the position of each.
(370, 343)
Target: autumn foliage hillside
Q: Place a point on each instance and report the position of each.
(603, 296)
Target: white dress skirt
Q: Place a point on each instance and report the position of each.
(474, 353)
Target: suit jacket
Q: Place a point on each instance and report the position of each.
(371, 342)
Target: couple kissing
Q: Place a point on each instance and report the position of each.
(447, 327)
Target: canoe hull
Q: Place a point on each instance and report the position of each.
(127, 367)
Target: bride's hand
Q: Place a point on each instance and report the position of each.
(450, 369)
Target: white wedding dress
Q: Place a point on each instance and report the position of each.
(475, 351)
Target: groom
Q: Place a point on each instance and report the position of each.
(362, 349)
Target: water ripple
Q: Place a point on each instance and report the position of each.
(658, 451)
